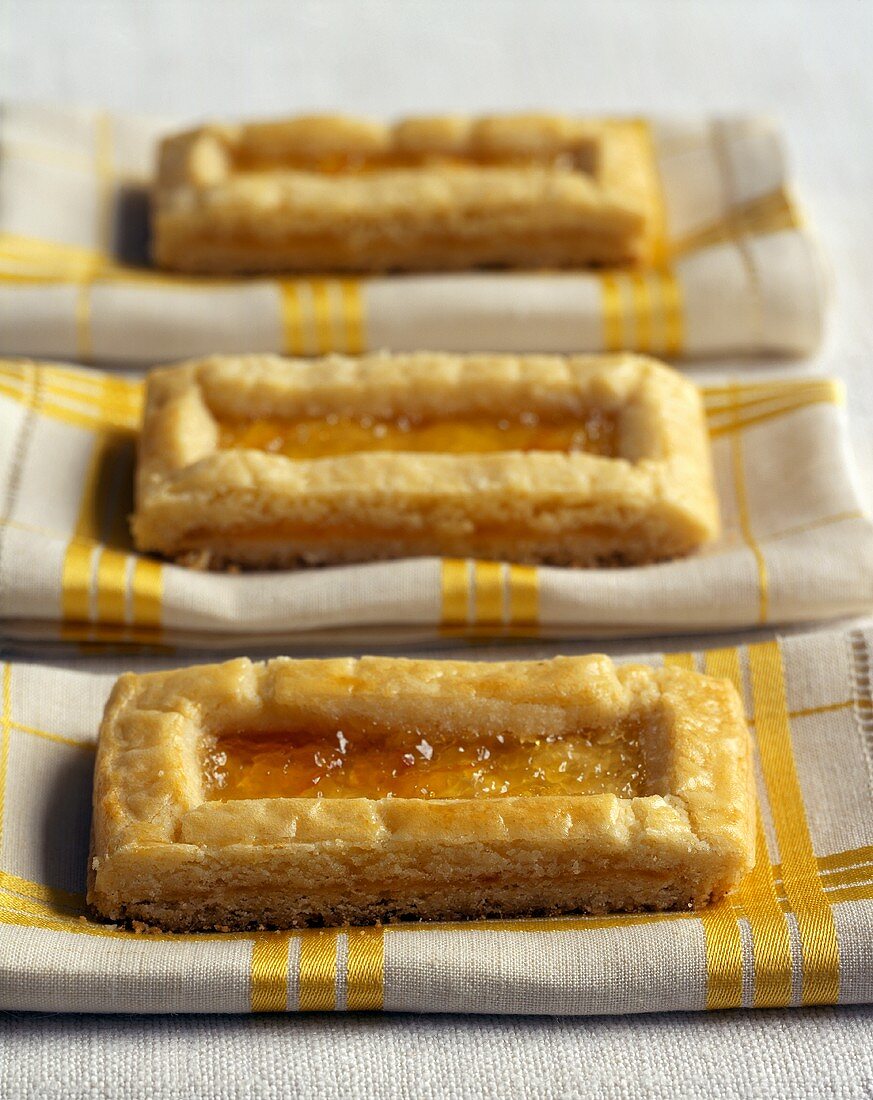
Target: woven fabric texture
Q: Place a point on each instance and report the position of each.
(735, 272)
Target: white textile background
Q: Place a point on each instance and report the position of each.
(807, 63)
(720, 1057)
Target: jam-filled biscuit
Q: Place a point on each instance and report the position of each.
(298, 792)
(261, 462)
(329, 193)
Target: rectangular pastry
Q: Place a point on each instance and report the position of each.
(263, 462)
(326, 193)
(298, 792)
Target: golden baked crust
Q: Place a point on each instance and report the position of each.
(166, 852)
(329, 193)
(214, 507)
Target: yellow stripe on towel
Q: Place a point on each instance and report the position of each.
(317, 971)
(800, 877)
(768, 927)
(269, 969)
(366, 967)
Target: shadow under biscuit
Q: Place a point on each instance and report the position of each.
(113, 491)
(64, 825)
(131, 233)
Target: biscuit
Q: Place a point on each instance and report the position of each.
(261, 462)
(329, 193)
(298, 792)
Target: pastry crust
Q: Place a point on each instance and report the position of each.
(330, 193)
(166, 854)
(198, 503)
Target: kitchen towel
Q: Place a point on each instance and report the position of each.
(796, 545)
(796, 932)
(737, 272)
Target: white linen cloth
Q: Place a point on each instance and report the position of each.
(417, 1057)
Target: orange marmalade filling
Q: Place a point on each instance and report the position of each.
(581, 159)
(595, 432)
(378, 763)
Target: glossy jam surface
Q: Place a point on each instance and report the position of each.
(595, 433)
(582, 159)
(374, 763)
